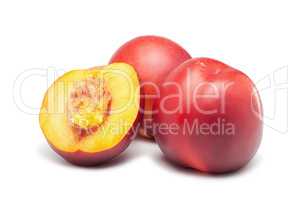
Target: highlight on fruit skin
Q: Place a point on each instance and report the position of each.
(209, 116)
(88, 116)
(153, 57)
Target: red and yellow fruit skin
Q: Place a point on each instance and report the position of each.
(153, 58)
(210, 153)
(81, 158)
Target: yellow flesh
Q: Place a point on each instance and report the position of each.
(122, 83)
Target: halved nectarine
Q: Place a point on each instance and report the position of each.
(87, 116)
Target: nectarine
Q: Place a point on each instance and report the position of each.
(87, 115)
(209, 116)
(153, 58)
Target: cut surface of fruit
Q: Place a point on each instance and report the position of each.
(88, 105)
(90, 110)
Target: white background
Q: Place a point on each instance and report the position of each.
(258, 37)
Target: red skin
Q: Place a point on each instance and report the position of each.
(205, 151)
(81, 158)
(93, 159)
(153, 58)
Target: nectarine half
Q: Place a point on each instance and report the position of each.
(87, 116)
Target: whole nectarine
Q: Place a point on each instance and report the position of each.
(153, 57)
(209, 116)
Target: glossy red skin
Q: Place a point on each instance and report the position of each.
(153, 57)
(81, 158)
(207, 152)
